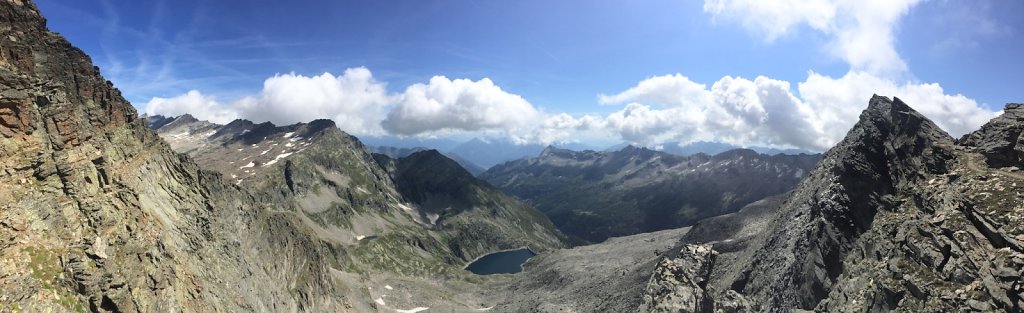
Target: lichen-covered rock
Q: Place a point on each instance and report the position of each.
(732, 302)
(97, 213)
(680, 284)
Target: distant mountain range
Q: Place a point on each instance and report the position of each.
(595, 195)
(491, 152)
(476, 154)
(100, 213)
(479, 154)
(712, 148)
(484, 153)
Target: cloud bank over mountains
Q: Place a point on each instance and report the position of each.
(811, 114)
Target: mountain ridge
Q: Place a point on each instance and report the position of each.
(896, 180)
(596, 195)
(329, 175)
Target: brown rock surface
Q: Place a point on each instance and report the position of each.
(97, 213)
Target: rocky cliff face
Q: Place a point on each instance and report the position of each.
(896, 217)
(99, 214)
(596, 195)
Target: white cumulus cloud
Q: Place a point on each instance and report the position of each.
(670, 90)
(765, 111)
(445, 105)
(838, 101)
(201, 106)
(354, 100)
(735, 110)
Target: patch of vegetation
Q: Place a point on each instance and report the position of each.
(45, 270)
(43, 263)
(403, 253)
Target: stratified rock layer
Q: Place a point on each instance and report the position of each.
(97, 213)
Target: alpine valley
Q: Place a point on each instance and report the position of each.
(104, 210)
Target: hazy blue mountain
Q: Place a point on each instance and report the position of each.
(710, 148)
(490, 152)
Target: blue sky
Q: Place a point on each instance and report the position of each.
(556, 57)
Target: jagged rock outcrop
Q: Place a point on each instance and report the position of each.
(596, 195)
(97, 213)
(680, 284)
(1001, 140)
(896, 216)
(157, 121)
(889, 150)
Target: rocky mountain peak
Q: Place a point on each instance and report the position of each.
(872, 227)
(183, 120)
(792, 265)
(630, 148)
(736, 153)
(432, 169)
(894, 118)
(550, 149)
(242, 148)
(320, 124)
(186, 118)
(42, 70)
(430, 158)
(552, 152)
(157, 121)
